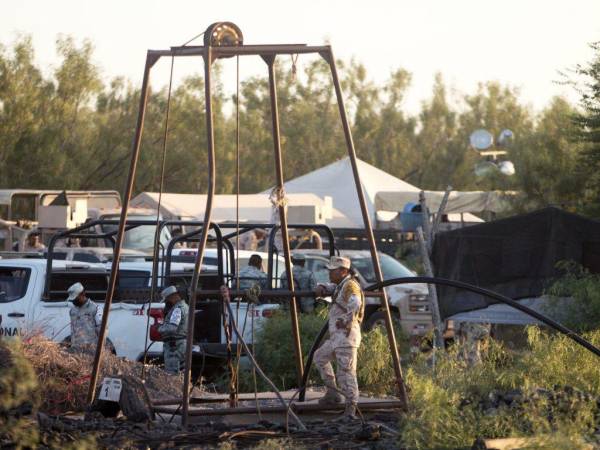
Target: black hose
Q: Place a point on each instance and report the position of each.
(457, 284)
(501, 298)
(309, 361)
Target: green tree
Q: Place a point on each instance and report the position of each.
(547, 161)
(588, 122)
(438, 146)
(25, 100)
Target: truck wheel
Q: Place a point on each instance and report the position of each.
(377, 319)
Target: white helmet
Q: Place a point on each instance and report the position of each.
(74, 291)
(168, 291)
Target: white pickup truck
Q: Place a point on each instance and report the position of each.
(28, 306)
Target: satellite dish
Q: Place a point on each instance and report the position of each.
(481, 139)
(505, 137)
(507, 168)
(485, 168)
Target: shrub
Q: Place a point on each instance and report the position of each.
(375, 372)
(275, 354)
(18, 386)
(274, 350)
(583, 312)
(548, 391)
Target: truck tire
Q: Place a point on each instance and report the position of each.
(377, 319)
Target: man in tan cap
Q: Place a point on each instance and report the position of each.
(345, 317)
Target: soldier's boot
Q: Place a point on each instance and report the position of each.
(350, 411)
(331, 397)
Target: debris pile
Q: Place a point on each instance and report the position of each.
(64, 376)
(562, 399)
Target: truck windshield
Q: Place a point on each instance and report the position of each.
(13, 283)
(390, 267)
(139, 238)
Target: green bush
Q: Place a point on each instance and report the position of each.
(274, 350)
(583, 312)
(18, 384)
(275, 354)
(556, 381)
(374, 371)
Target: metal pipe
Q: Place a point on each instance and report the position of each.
(328, 56)
(270, 60)
(271, 293)
(245, 50)
(114, 269)
(202, 243)
(186, 236)
(438, 329)
(297, 407)
(208, 400)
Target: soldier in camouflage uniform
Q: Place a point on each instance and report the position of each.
(304, 280)
(471, 337)
(174, 330)
(253, 274)
(345, 317)
(86, 317)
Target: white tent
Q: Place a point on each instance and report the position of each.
(337, 181)
(253, 208)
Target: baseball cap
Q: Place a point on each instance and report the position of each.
(74, 291)
(335, 262)
(168, 291)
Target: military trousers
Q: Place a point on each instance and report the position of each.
(345, 358)
(174, 355)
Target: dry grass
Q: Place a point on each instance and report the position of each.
(63, 376)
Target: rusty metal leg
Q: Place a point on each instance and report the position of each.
(150, 61)
(204, 235)
(328, 56)
(270, 60)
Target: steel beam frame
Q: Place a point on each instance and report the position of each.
(268, 53)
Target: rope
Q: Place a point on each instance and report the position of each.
(294, 68)
(253, 368)
(252, 295)
(277, 197)
(232, 373)
(225, 295)
(194, 38)
(157, 230)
